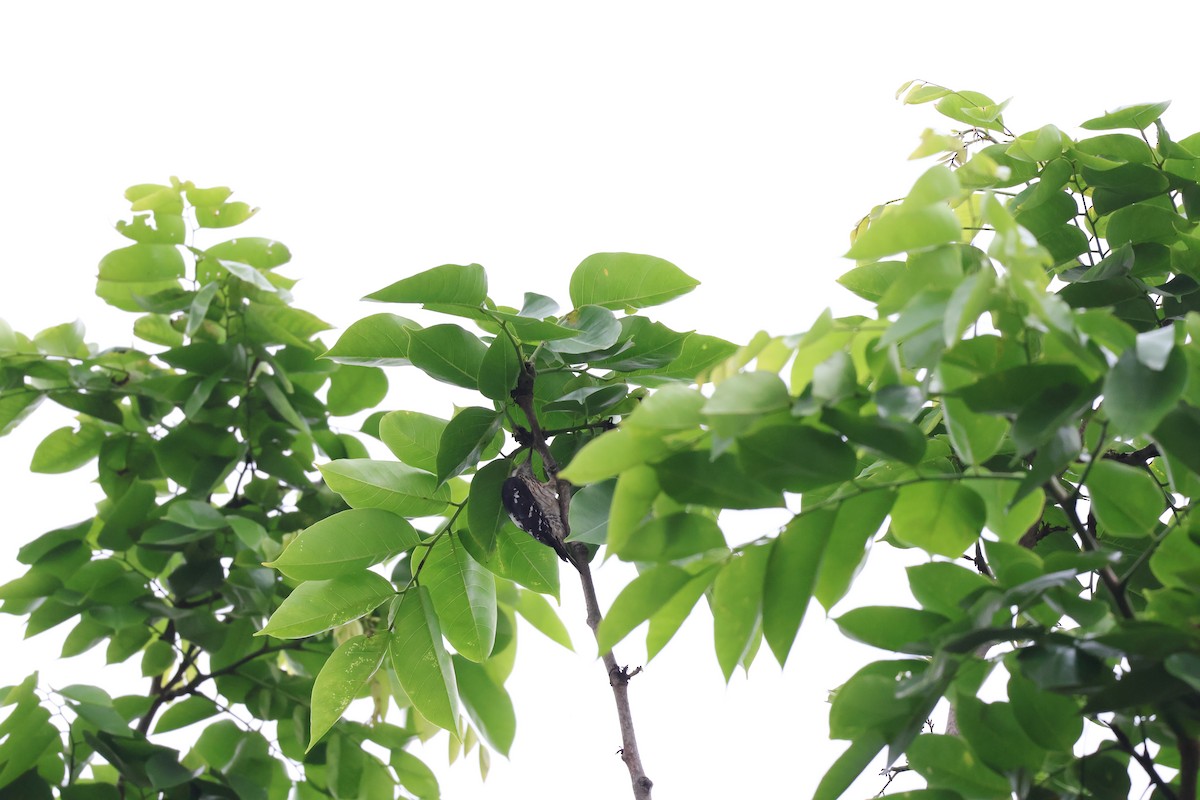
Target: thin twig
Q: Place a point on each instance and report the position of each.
(1144, 760)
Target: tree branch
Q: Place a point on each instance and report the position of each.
(1144, 760)
(1107, 576)
(618, 676)
(618, 679)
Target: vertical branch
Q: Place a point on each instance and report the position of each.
(618, 679)
(618, 676)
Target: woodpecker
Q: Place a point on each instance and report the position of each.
(533, 507)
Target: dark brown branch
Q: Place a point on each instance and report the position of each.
(618, 677)
(1137, 458)
(1189, 756)
(981, 565)
(1088, 539)
(1039, 531)
(1146, 762)
(162, 691)
(190, 686)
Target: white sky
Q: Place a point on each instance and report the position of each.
(742, 142)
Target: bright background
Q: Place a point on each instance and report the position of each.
(740, 141)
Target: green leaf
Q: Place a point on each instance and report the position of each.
(67, 449)
(941, 517)
(893, 438)
(64, 340)
(463, 440)
(651, 345)
(186, 712)
(739, 401)
(858, 519)
(1137, 398)
(353, 389)
(422, 665)
(698, 355)
(464, 596)
(969, 300)
(485, 511)
(612, 453)
(537, 612)
(879, 700)
(904, 630)
(737, 600)
(403, 490)
(260, 253)
(693, 477)
(632, 500)
(16, 407)
(638, 601)
(941, 586)
(598, 329)
(973, 108)
(449, 283)
(168, 228)
(413, 437)
(414, 775)
(225, 215)
(316, 606)
(499, 370)
(871, 281)
(1176, 433)
(589, 513)
(342, 679)
(1052, 720)
(487, 704)
(447, 353)
(1126, 500)
(1143, 222)
(790, 577)
(994, 734)
(1008, 520)
(139, 270)
(1185, 667)
(522, 559)
(672, 538)
(1176, 562)
(1138, 117)
(946, 762)
(344, 543)
(665, 622)
(975, 437)
(380, 340)
(627, 280)
(796, 458)
(848, 767)
(674, 407)
(1009, 390)
(901, 229)
(1044, 144)
(248, 274)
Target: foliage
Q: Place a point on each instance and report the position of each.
(1022, 406)
(205, 445)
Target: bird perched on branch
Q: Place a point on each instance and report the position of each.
(533, 507)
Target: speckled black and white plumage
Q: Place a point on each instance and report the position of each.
(533, 507)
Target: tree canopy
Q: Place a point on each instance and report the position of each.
(1021, 403)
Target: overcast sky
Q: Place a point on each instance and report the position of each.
(740, 141)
